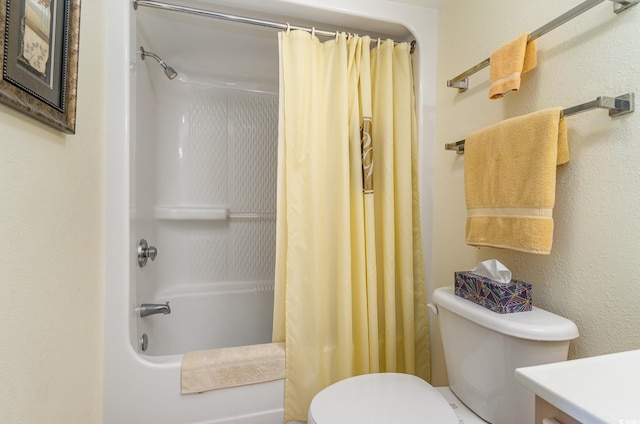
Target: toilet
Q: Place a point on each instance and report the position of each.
(482, 349)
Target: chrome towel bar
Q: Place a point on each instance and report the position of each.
(617, 106)
(461, 82)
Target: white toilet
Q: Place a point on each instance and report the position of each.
(482, 349)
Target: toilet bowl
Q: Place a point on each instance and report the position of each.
(381, 398)
(482, 350)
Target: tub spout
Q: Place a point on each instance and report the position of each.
(147, 309)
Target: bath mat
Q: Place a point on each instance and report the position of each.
(204, 370)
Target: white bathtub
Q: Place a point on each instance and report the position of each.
(152, 395)
(144, 387)
(210, 316)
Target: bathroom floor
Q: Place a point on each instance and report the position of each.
(464, 414)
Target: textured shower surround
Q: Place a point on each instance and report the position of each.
(225, 156)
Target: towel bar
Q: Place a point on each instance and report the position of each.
(617, 106)
(461, 82)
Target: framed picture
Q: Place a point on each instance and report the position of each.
(39, 59)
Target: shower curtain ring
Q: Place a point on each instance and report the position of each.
(313, 32)
(378, 43)
(337, 36)
(288, 28)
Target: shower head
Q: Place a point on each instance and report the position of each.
(168, 70)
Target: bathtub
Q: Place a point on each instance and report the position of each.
(211, 305)
(153, 396)
(144, 386)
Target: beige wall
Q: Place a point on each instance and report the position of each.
(51, 255)
(592, 275)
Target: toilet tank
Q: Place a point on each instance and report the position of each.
(482, 349)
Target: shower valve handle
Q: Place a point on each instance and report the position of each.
(146, 252)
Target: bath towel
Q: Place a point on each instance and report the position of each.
(510, 181)
(204, 370)
(508, 63)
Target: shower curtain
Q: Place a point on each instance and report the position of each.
(350, 295)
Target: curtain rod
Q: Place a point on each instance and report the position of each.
(238, 19)
(461, 82)
(617, 106)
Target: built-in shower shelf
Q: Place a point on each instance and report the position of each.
(182, 213)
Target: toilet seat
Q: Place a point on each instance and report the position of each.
(380, 399)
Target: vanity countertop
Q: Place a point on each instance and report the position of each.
(601, 389)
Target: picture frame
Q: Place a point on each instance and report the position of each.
(39, 57)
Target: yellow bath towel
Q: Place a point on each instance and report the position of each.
(204, 370)
(510, 181)
(508, 63)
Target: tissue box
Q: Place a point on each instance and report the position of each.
(500, 298)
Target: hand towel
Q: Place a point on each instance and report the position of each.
(510, 181)
(204, 370)
(508, 63)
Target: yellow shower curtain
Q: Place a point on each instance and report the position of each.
(349, 274)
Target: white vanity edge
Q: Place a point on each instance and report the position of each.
(601, 389)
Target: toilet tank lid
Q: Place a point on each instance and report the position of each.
(536, 324)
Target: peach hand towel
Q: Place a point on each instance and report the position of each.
(508, 63)
(204, 370)
(510, 181)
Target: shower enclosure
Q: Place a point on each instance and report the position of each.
(205, 194)
(191, 169)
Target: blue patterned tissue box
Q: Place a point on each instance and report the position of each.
(500, 298)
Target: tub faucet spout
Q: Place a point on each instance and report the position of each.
(147, 309)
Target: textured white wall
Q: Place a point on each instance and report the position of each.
(51, 256)
(591, 277)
